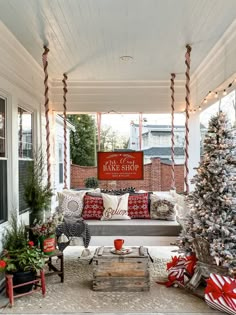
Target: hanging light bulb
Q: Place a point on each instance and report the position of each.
(205, 101)
(209, 93)
(216, 95)
(194, 111)
(224, 92)
(199, 107)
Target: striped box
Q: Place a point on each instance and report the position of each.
(220, 293)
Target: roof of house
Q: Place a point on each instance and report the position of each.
(163, 151)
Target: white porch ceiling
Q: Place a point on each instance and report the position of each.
(86, 39)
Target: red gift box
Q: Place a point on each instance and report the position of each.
(220, 293)
(180, 269)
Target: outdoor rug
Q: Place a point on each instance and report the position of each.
(75, 295)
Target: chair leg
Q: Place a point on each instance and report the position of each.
(62, 268)
(9, 289)
(43, 283)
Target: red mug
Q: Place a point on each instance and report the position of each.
(118, 243)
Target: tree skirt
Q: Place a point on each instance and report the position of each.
(75, 295)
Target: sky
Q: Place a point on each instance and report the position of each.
(121, 122)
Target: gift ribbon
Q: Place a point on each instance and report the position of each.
(227, 289)
(178, 268)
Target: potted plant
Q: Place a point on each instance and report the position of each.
(37, 195)
(46, 231)
(19, 256)
(91, 182)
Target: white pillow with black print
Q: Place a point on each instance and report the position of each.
(115, 207)
(72, 205)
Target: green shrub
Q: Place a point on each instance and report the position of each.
(91, 182)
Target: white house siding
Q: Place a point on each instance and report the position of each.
(21, 84)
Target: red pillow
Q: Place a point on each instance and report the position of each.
(138, 206)
(93, 208)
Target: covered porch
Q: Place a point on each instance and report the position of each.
(114, 57)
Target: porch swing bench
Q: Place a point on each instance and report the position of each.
(96, 232)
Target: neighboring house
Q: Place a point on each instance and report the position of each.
(164, 154)
(156, 141)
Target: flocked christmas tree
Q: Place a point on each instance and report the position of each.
(213, 202)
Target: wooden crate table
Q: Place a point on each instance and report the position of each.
(129, 272)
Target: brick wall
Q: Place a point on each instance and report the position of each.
(157, 177)
(166, 177)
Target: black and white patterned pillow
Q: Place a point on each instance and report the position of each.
(72, 205)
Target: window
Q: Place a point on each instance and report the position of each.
(60, 159)
(3, 162)
(25, 150)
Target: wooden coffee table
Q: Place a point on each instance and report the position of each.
(113, 272)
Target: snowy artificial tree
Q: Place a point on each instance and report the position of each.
(213, 202)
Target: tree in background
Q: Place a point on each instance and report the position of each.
(82, 141)
(111, 140)
(213, 202)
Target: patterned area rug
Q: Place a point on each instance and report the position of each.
(75, 295)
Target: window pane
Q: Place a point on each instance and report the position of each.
(23, 173)
(60, 173)
(3, 190)
(25, 147)
(2, 128)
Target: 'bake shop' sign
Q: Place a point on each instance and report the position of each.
(120, 165)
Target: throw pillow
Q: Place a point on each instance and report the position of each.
(138, 206)
(66, 192)
(115, 207)
(93, 208)
(72, 205)
(162, 208)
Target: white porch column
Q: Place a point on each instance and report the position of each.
(194, 145)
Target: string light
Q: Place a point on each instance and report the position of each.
(215, 94)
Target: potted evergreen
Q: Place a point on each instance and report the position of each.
(37, 195)
(91, 182)
(19, 256)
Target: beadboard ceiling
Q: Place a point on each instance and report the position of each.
(86, 39)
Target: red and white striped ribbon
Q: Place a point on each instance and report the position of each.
(187, 100)
(99, 119)
(46, 106)
(172, 131)
(65, 128)
(140, 130)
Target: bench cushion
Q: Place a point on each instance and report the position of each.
(134, 227)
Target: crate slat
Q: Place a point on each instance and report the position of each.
(131, 284)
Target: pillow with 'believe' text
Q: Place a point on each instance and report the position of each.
(115, 207)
